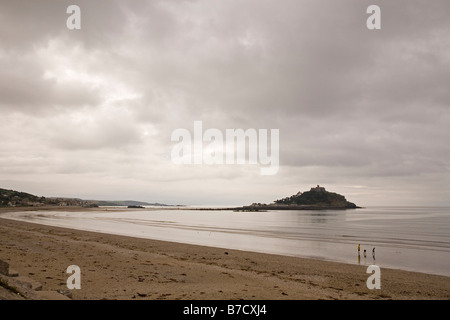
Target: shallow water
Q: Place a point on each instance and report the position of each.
(416, 239)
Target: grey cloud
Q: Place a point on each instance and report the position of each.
(23, 87)
(101, 130)
(25, 24)
(351, 104)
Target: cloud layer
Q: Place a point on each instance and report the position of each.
(90, 112)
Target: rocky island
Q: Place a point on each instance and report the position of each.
(315, 199)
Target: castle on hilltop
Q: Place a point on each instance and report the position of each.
(318, 189)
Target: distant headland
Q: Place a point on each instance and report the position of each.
(12, 198)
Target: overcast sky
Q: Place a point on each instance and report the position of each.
(89, 113)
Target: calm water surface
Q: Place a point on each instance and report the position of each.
(407, 238)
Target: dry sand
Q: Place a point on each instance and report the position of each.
(119, 267)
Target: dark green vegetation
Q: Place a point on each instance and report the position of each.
(317, 196)
(315, 199)
(11, 198)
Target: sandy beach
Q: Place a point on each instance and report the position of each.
(125, 268)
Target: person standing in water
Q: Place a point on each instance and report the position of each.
(359, 256)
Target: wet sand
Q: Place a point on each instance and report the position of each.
(119, 267)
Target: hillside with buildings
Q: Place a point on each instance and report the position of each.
(12, 198)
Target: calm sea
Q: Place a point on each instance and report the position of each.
(408, 238)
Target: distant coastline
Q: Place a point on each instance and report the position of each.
(12, 198)
(317, 198)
